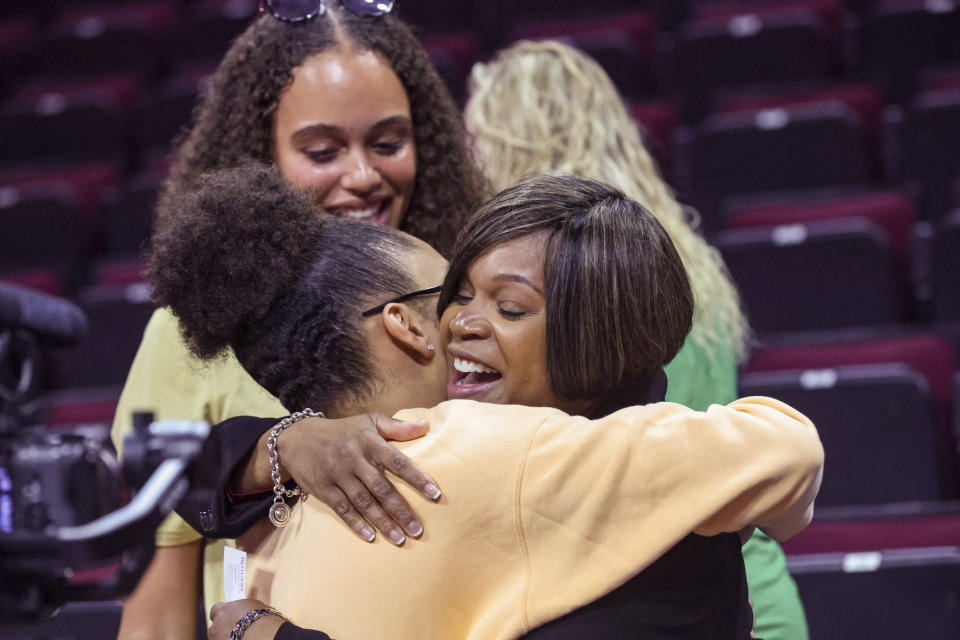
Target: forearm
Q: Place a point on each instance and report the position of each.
(164, 604)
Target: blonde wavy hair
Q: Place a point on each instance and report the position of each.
(546, 108)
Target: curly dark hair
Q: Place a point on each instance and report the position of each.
(248, 264)
(234, 119)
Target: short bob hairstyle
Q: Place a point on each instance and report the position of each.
(234, 120)
(618, 301)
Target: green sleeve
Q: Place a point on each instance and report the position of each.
(697, 380)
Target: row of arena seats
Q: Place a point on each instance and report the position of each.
(770, 140)
(764, 141)
(884, 574)
(645, 50)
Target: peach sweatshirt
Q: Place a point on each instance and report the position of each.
(542, 513)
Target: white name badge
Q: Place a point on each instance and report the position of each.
(234, 574)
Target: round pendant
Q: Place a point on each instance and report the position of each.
(280, 514)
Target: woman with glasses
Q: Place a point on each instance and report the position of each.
(544, 107)
(344, 100)
(620, 526)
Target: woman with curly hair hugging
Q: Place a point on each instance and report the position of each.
(544, 107)
(344, 100)
(564, 296)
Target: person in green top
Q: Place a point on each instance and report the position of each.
(544, 107)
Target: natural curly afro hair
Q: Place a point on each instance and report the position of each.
(248, 264)
(234, 119)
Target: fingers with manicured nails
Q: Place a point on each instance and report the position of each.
(372, 511)
(334, 498)
(387, 457)
(389, 498)
(399, 430)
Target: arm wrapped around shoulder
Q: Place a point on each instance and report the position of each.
(780, 475)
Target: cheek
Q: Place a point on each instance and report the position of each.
(401, 171)
(526, 355)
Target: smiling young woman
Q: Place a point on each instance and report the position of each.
(360, 160)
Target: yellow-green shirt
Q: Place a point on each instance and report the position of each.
(168, 381)
(542, 513)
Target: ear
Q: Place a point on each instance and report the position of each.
(409, 329)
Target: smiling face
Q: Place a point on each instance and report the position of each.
(495, 329)
(343, 131)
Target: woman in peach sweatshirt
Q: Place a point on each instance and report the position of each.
(562, 294)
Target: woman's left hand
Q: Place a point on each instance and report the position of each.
(224, 616)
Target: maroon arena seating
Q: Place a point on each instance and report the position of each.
(752, 48)
(790, 148)
(903, 36)
(623, 44)
(877, 424)
(117, 317)
(946, 269)
(881, 595)
(780, 272)
(929, 160)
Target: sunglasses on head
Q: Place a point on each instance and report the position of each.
(302, 10)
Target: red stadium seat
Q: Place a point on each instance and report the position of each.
(659, 121)
(929, 162)
(117, 317)
(831, 12)
(812, 146)
(105, 38)
(877, 425)
(623, 44)
(93, 406)
(126, 214)
(44, 230)
(88, 179)
(878, 528)
(68, 121)
(881, 595)
(927, 353)
(903, 36)
(453, 54)
(17, 35)
(751, 49)
(890, 210)
(861, 98)
(781, 274)
(946, 270)
(45, 280)
(209, 27)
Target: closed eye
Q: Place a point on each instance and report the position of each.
(511, 315)
(388, 148)
(322, 156)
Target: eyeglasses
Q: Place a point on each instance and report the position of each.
(303, 10)
(380, 307)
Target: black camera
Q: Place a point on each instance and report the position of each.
(75, 524)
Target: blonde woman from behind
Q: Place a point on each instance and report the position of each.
(544, 107)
